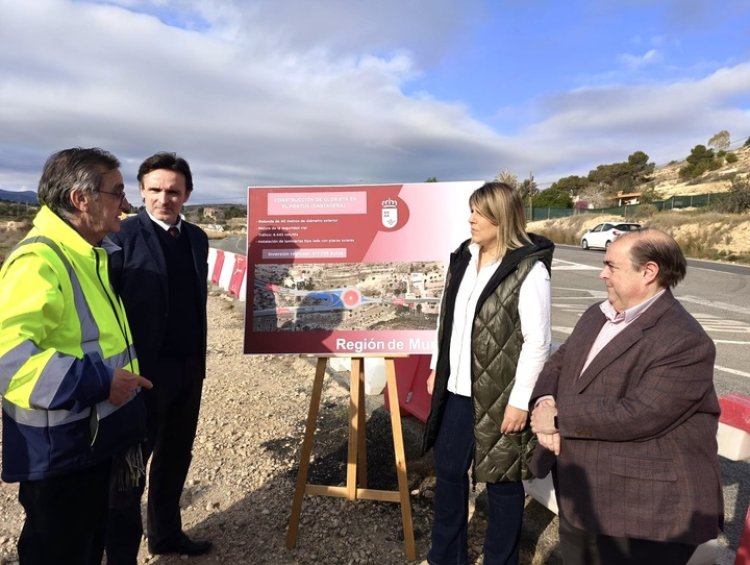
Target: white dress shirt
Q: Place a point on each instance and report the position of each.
(165, 225)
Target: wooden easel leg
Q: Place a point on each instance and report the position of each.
(355, 382)
(362, 435)
(304, 463)
(398, 447)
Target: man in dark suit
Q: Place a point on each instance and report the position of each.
(628, 406)
(159, 265)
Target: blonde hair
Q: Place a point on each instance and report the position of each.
(501, 205)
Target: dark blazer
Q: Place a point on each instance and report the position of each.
(639, 455)
(139, 274)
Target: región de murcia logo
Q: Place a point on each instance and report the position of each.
(389, 213)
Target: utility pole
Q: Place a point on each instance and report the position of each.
(531, 194)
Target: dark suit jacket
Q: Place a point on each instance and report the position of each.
(639, 453)
(139, 274)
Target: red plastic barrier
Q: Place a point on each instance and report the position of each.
(411, 378)
(217, 267)
(743, 551)
(735, 411)
(238, 275)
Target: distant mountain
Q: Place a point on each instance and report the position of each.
(25, 196)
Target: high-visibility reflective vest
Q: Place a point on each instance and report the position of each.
(63, 331)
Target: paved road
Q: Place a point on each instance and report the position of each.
(233, 243)
(718, 295)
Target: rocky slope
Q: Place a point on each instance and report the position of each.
(667, 180)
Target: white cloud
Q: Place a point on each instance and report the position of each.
(258, 110)
(633, 62)
(606, 124)
(297, 92)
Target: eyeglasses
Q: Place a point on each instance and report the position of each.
(120, 195)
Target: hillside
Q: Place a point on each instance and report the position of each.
(706, 235)
(666, 180)
(700, 232)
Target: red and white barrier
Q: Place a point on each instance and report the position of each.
(734, 427)
(411, 377)
(743, 551)
(228, 271)
(238, 278)
(215, 266)
(734, 444)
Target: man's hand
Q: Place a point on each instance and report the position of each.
(543, 417)
(124, 385)
(431, 382)
(550, 441)
(514, 419)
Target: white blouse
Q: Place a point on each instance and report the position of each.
(534, 313)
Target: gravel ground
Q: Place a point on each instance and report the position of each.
(239, 490)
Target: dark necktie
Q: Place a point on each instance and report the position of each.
(173, 231)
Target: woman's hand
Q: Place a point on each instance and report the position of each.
(514, 419)
(431, 382)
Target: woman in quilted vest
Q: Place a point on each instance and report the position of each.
(493, 339)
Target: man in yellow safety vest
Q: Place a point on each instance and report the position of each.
(68, 369)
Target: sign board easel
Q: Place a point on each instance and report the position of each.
(356, 464)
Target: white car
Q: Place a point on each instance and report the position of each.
(604, 234)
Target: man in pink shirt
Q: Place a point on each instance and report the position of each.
(627, 410)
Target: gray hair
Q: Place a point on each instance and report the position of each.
(72, 169)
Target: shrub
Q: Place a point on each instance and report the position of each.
(552, 198)
(17, 210)
(737, 200)
(699, 161)
(731, 158)
(559, 235)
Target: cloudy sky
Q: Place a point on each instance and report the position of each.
(291, 92)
